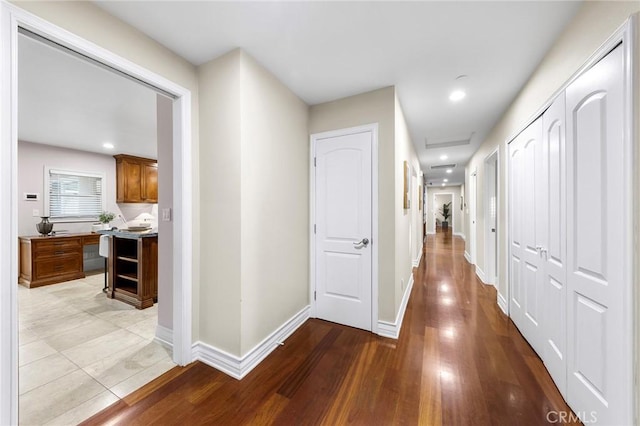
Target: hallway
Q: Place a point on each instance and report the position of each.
(459, 361)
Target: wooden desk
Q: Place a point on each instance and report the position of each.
(53, 259)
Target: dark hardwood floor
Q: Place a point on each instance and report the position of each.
(458, 361)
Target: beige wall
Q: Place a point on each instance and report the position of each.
(220, 197)
(592, 25)
(164, 124)
(255, 161)
(92, 23)
(407, 230)
(377, 106)
(275, 204)
(457, 219)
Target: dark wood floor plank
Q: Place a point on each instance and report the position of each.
(458, 361)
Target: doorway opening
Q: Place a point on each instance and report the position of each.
(471, 254)
(179, 213)
(491, 218)
(443, 203)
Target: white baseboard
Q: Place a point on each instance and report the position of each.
(164, 336)
(431, 233)
(459, 234)
(467, 256)
(238, 367)
(502, 303)
(481, 275)
(416, 262)
(392, 330)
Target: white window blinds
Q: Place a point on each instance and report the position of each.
(74, 195)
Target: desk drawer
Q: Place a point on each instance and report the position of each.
(56, 247)
(60, 265)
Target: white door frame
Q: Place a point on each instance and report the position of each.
(491, 159)
(453, 211)
(12, 17)
(373, 128)
(473, 215)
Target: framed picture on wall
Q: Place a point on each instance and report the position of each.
(406, 203)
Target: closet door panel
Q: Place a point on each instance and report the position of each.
(554, 243)
(598, 232)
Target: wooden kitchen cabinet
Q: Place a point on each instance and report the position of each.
(50, 260)
(136, 179)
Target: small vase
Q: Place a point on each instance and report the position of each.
(106, 226)
(44, 227)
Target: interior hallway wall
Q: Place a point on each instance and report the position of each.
(255, 159)
(592, 25)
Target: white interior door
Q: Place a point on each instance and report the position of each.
(527, 209)
(343, 228)
(472, 217)
(491, 222)
(598, 235)
(553, 242)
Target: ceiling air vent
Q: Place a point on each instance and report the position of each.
(447, 144)
(443, 166)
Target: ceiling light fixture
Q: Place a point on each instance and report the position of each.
(457, 95)
(445, 180)
(443, 184)
(449, 171)
(444, 157)
(108, 145)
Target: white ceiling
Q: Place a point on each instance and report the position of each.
(320, 50)
(69, 102)
(328, 50)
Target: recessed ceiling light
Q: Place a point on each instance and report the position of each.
(107, 145)
(443, 184)
(449, 171)
(444, 157)
(457, 95)
(445, 180)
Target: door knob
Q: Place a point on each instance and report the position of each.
(364, 242)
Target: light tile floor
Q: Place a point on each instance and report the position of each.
(80, 351)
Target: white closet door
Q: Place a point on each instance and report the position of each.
(598, 236)
(553, 243)
(516, 294)
(527, 209)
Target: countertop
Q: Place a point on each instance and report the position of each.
(128, 234)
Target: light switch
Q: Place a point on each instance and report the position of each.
(36, 213)
(166, 214)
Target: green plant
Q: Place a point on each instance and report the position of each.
(106, 217)
(445, 211)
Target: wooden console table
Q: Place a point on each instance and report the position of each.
(53, 259)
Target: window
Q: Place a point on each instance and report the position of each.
(73, 196)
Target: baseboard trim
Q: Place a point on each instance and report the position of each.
(238, 367)
(502, 303)
(480, 274)
(431, 233)
(459, 234)
(392, 329)
(467, 256)
(164, 336)
(416, 262)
